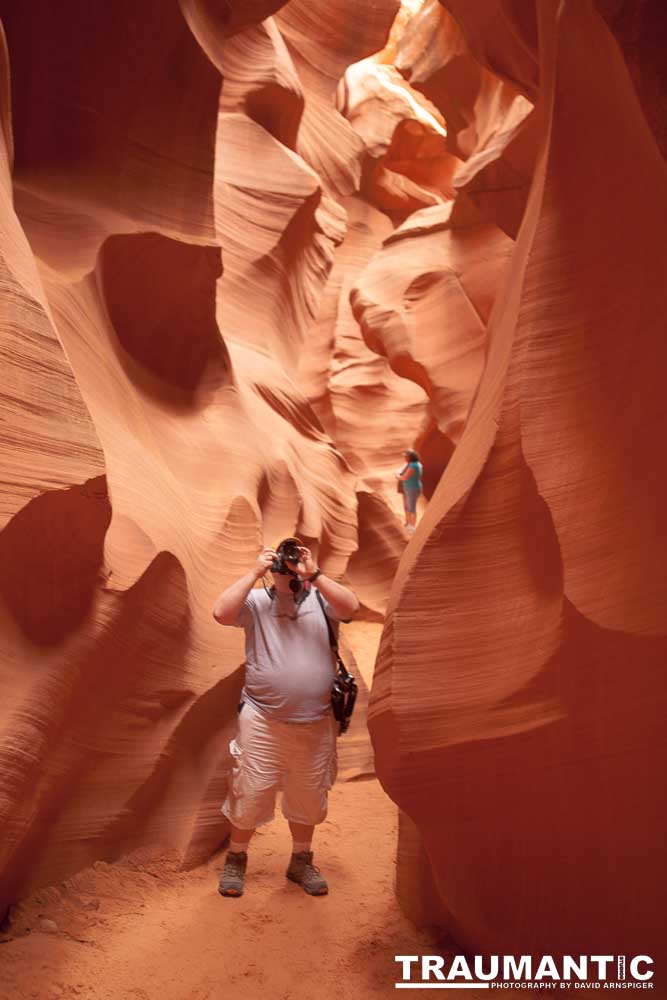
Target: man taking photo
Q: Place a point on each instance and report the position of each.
(286, 729)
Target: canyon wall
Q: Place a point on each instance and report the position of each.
(173, 188)
(518, 701)
(264, 255)
(190, 192)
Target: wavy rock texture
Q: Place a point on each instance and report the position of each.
(425, 300)
(263, 256)
(519, 694)
(109, 710)
(322, 46)
(48, 440)
(476, 103)
(429, 274)
(308, 241)
(407, 166)
(355, 390)
(159, 433)
(487, 116)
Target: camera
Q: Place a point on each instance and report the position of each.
(343, 697)
(287, 551)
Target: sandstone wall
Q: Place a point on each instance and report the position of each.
(519, 692)
(165, 247)
(189, 192)
(237, 280)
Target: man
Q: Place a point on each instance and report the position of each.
(286, 734)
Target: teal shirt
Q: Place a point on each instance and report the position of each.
(414, 482)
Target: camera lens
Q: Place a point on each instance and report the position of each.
(290, 552)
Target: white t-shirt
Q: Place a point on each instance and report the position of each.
(290, 667)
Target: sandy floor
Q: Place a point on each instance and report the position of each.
(364, 638)
(140, 929)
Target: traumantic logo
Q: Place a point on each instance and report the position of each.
(511, 972)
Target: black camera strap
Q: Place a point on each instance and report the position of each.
(345, 686)
(333, 642)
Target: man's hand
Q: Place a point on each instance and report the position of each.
(227, 608)
(343, 601)
(306, 564)
(263, 563)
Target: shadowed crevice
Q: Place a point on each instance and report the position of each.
(111, 709)
(160, 295)
(50, 558)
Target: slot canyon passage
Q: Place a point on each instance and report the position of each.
(250, 250)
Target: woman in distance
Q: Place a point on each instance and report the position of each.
(410, 479)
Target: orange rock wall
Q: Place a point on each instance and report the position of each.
(237, 280)
(518, 702)
(181, 223)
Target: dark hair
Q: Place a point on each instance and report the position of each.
(413, 456)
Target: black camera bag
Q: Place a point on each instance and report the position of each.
(344, 690)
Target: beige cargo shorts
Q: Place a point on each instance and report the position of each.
(297, 758)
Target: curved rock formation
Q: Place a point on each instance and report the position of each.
(487, 114)
(475, 102)
(424, 303)
(259, 259)
(641, 30)
(527, 618)
(144, 370)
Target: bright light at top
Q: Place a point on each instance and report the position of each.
(412, 6)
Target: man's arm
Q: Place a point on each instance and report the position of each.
(405, 475)
(343, 600)
(229, 603)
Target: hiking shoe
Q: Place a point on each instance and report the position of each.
(233, 874)
(302, 871)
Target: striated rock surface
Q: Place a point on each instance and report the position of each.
(489, 124)
(424, 303)
(518, 699)
(275, 244)
(164, 251)
(434, 56)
